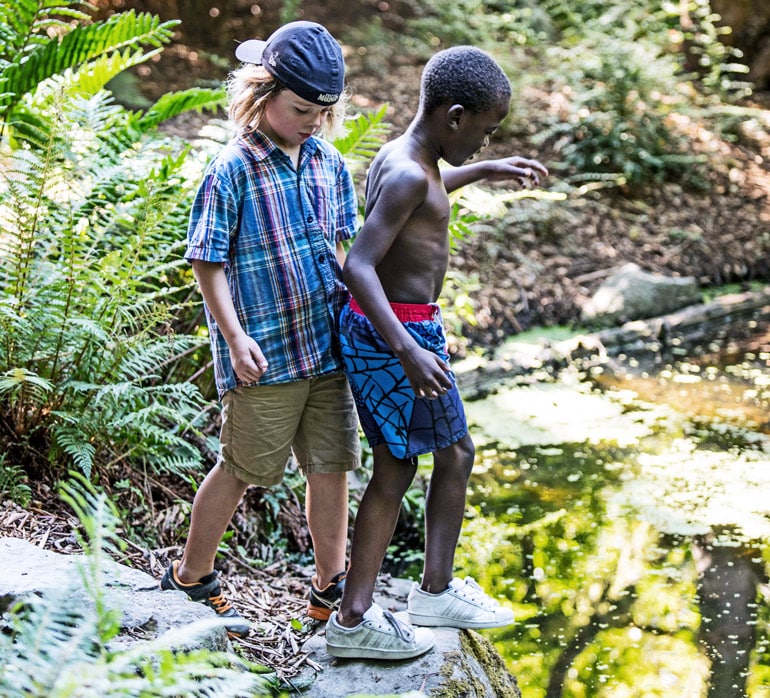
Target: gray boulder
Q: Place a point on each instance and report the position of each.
(463, 663)
(146, 611)
(633, 294)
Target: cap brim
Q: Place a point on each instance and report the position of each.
(250, 51)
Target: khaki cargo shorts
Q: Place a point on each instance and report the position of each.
(262, 425)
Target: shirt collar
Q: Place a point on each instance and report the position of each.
(262, 147)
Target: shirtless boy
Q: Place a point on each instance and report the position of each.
(396, 360)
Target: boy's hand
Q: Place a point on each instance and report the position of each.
(427, 374)
(249, 363)
(526, 172)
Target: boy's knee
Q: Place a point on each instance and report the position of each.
(458, 457)
(469, 450)
(392, 475)
(466, 451)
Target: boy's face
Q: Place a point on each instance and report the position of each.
(473, 132)
(289, 120)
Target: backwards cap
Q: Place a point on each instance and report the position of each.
(302, 56)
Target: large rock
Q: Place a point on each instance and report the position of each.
(633, 294)
(463, 663)
(146, 611)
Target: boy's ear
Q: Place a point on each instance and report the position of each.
(454, 116)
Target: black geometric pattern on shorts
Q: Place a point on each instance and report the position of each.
(380, 384)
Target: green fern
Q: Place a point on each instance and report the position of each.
(75, 444)
(174, 103)
(81, 44)
(27, 23)
(14, 483)
(364, 135)
(91, 78)
(92, 202)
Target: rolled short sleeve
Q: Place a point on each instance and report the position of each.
(347, 209)
(213, 218)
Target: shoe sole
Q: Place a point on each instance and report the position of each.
(442, 622)
(319, 613)
(369, 653)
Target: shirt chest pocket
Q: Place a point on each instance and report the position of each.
(320, 207)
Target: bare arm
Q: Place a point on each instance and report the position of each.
(395, 201)
(248, 361)
(526, 172)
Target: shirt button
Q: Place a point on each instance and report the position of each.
(321, 258)
(310, 218)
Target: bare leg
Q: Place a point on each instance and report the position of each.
(444, 511)
(375, 523)
(213, 508)
(326, 507)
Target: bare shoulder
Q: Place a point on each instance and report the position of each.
(394, 169)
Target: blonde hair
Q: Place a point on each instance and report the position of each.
(251, 87)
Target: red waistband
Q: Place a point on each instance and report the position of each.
(406, 312)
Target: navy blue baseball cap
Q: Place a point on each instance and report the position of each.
(302, 56)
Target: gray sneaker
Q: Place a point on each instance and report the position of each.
(380, 635)
(463, 604)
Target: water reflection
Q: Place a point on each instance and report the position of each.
(630, 536)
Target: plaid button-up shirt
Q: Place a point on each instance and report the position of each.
(275, 230)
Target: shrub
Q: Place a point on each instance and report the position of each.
(92, 201)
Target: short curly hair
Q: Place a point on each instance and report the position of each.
(463, 75)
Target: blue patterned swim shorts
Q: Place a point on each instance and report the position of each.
(388, 409)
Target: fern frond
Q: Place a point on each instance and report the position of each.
(94, 75)
(28, 126)
(21, 381)
(71, 440)
(81, 44)
(49, 635)
(96, 512)
(174, 103)
(14, 483)
(365, 134)
(146, 361)
(25, 23)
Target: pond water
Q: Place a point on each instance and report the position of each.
(626, 519)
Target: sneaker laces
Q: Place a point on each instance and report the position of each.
(402, 630)
(475, 593)
(219, 603)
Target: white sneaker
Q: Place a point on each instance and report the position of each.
(380, 635)
(463, 604)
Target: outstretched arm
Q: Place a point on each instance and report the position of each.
(526, 172)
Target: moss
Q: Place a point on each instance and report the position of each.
(460, 678)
